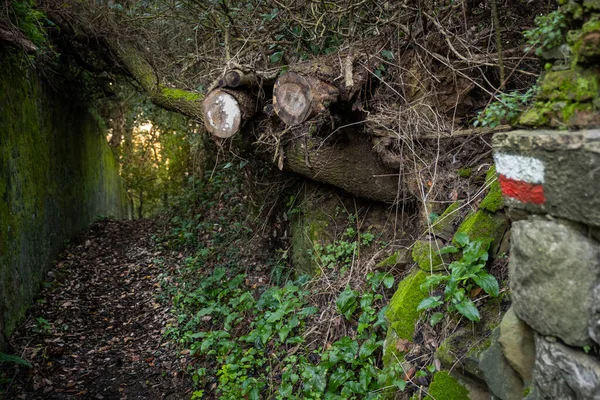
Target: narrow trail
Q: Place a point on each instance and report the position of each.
(96, 330)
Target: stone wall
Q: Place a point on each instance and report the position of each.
(551, 181)
(57, 175)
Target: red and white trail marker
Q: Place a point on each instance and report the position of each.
(521, 178)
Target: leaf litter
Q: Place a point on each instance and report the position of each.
(96, 329)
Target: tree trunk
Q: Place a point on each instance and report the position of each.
(349, 164)
(140, 213)
(297, 98)
(225, 111)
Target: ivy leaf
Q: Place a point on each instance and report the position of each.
(435, 318)
(368, 347)
(430, 302)
(276, 57)
(337, 378)
(488, 283)
(468, 309)
(14, 359)
(448, 249)
(346, 302)
(387, 54)
(462, 239)
(388, 281)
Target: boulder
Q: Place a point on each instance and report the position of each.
(564, 373)
(553, 269)
(518, 344)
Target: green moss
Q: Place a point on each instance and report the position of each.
(493, 201)
(310, 227)
(483, 226)
(445, 387)
(58, 173)
(526, 391)
(465, 172)
(177, 94)
(402, 312)
(572, 85)
(427, 256)
(537, 115)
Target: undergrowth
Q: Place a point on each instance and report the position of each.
(251, 336)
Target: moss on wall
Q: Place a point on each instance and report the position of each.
(446, 387)
(57, 174)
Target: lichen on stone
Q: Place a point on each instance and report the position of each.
(446, 387)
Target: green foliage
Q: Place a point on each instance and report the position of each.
(8, 358)
(256, 340)
(29, 20)
(42, 326)
(340, 253)
(506, 109)
(466, 274)
(549, 32)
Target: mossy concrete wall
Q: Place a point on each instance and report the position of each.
(57, 175)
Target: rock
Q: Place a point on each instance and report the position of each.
(444, 226)
(485, 227)
(553, 269)
(569, 172)
(446, 387)
(594, 316)
(400, 258)
(571, 85)
(503, 381)
(518, 344)
(564, 373)
(461, 351)
(561, 52)
(493, 201)
(402, 314)
(427, 255)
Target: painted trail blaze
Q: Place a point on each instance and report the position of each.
(521, 177)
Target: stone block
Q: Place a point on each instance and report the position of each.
(518, 344)
(553, 172)
(553, 270)
(503, 381)
(564, 373)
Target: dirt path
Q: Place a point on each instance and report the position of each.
(96, 330)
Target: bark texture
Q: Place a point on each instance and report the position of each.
(348, 164)
(178, 100)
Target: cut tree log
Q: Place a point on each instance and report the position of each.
(225, 111)
(349, 164)
(297, 98)
(237, 78)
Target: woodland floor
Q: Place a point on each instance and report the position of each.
(96, 330)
